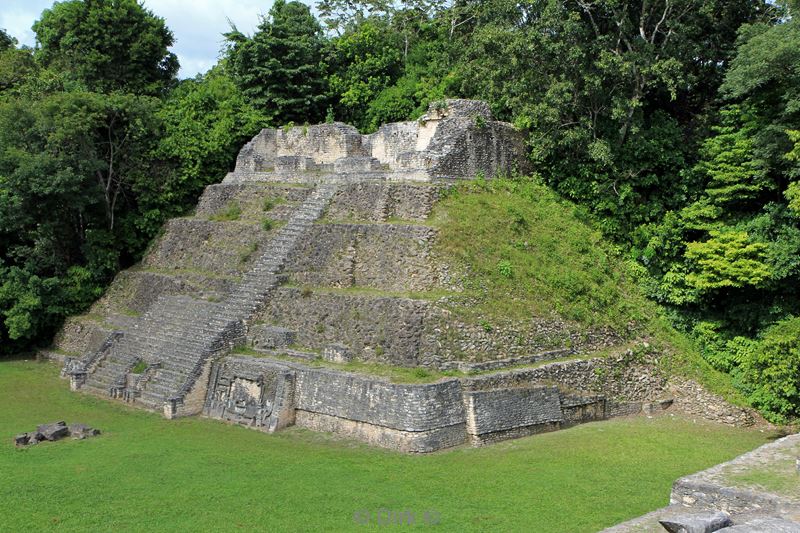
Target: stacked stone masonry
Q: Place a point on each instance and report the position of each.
(420, 417)
(317, 247)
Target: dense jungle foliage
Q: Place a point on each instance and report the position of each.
(674, 125)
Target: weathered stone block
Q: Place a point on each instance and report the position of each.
(337, 353)
(356, 164)
(366, 399)
(581, 409)
(702, 522)
(378, 201)
(271, 337)
(252, 392)
(386, 329)
(402, 441)
(765, 525)
(82, 431)
(294, 163)
(54, 431)
(381, 256)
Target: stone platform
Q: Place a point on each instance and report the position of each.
(268, 394)
(759, 491)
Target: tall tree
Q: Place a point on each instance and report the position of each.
(6, 41)
(109, 45)
(609, 89)
(280, 67)
(206, 121)
(366, 60)
(67, 165)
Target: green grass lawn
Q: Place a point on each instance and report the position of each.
(150, 474)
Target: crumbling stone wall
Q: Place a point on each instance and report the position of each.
(380, 201)
(455, 139)
(250, 198)
(79, 335)
(218, 248)
(258, 394)
(384, 329)
(388, 257)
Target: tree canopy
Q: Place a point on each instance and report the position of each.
(280, 67)
(107, 45)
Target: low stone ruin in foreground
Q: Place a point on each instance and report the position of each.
(53, 432)
(316, 252)
(758, 492)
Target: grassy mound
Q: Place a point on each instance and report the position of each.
(149, 474)
(528, 252)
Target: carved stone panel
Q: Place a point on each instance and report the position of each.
(252, 393)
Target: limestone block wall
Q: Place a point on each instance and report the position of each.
(391, 140)
(250, 198)
(258, 155)
(618, 377)
(80, 335)
(471, 148)
(455, 139)
(577, 409)
(367, 399)
(324, 143)
(385, 329)
(389, 257)
(407, 331)
(135, 291)
(221, 248)
(376, 201)
(270, 394)
(254, 393)
(473, 342)
(505, 413)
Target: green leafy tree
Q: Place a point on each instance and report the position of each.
(792, 193)
(6, 41)
(68, 164)
(733, 171)
(771, 371)
(206, 121)
(368, 60)
(611, 91)
(726, 259)
(16, 67)
(279, 68)
(108, 45)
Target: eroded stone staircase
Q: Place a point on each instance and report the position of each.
(168, 347)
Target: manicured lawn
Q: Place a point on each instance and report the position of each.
(149, 474)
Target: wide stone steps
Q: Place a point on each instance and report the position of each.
(161, 341)
(98, 390)
(180, 332)
(166, 341)
(161, 388)
(150, 400)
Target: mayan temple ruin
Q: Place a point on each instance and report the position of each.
(252, 320)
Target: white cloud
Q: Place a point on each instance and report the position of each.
(198, 26)
(17, 17)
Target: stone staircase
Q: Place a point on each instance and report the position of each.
(178, 336)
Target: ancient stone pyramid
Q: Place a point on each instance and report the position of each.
(305, 252)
